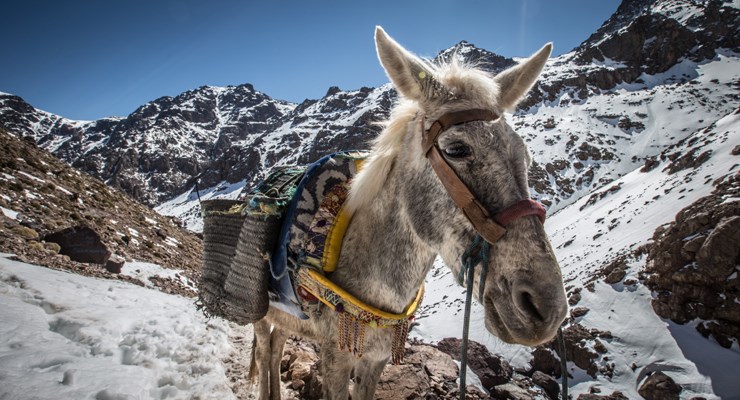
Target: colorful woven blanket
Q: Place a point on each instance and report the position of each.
(313, 226)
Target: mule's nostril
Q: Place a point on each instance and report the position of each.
(526, 303)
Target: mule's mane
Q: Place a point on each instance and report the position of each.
(471, 87)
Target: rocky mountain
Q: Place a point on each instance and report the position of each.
(163, 145)
(57, 216)
(215, 137)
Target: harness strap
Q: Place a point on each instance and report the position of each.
(491, 228)
(464, 198)
(469, 262)
(451, 119)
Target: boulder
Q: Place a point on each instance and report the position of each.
(491, 370)
(691, 265)
(659, 386)
(617, 395)
(510, 391)
(115, 264)
(402, 382)
(81, 243)
(545, 361)
(547, 383)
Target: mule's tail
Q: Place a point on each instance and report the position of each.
(252, 374)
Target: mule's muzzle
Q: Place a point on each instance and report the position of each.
(529, 315)
(540, 309)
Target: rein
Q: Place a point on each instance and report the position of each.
(489, 228)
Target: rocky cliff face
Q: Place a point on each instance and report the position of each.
(694, 261)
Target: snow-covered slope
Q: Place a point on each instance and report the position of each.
(583, 143)
(66, 336)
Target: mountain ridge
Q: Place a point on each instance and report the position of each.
(211, 134)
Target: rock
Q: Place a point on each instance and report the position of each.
(300, 365)
(115, 264)
(578, 350)
(659, 386)
(402, 382)
(427, 373)
(81, 243)
(545, 361)
(650, 164)
(617, 395)
(691, 262)
(578, 312)
(509, 391)
(615, 273)
(547, 383)
(693, 245)
(718, 255)
(491, 370)
(437, 364)
(574, 297)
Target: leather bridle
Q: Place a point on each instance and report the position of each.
(490, 227)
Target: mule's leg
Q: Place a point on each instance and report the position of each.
(367, 375)
(336, 367)
(277, 342)
(263, 353)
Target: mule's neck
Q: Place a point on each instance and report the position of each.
(383, 262)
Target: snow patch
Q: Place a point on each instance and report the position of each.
(66, 336)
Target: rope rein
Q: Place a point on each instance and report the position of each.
(476, 253)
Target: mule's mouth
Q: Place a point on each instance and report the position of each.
(522, 317)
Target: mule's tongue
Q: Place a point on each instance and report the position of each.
(521, 209)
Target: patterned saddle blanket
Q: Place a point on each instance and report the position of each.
(313, 226)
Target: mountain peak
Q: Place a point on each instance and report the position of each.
(467, 52)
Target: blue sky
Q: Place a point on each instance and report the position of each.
(92, 59)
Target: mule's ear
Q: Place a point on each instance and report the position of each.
(411, 76)
(516, 81)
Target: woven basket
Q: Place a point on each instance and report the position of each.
(222, 223)
(239, 237)
(246, 285)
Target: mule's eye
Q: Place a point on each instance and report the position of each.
(457, 150)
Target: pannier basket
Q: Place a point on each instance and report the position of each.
(239, 237)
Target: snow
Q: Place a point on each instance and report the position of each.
(74, 337)
(143, 271)
(31, 177)
(187, 205)
(10, 213)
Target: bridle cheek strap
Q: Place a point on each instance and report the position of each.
(491, 228)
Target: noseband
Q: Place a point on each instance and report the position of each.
(490, 227)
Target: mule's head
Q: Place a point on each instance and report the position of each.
(524, 299)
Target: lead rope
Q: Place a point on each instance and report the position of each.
(468, 273)
(469, 262)
(563, 364)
